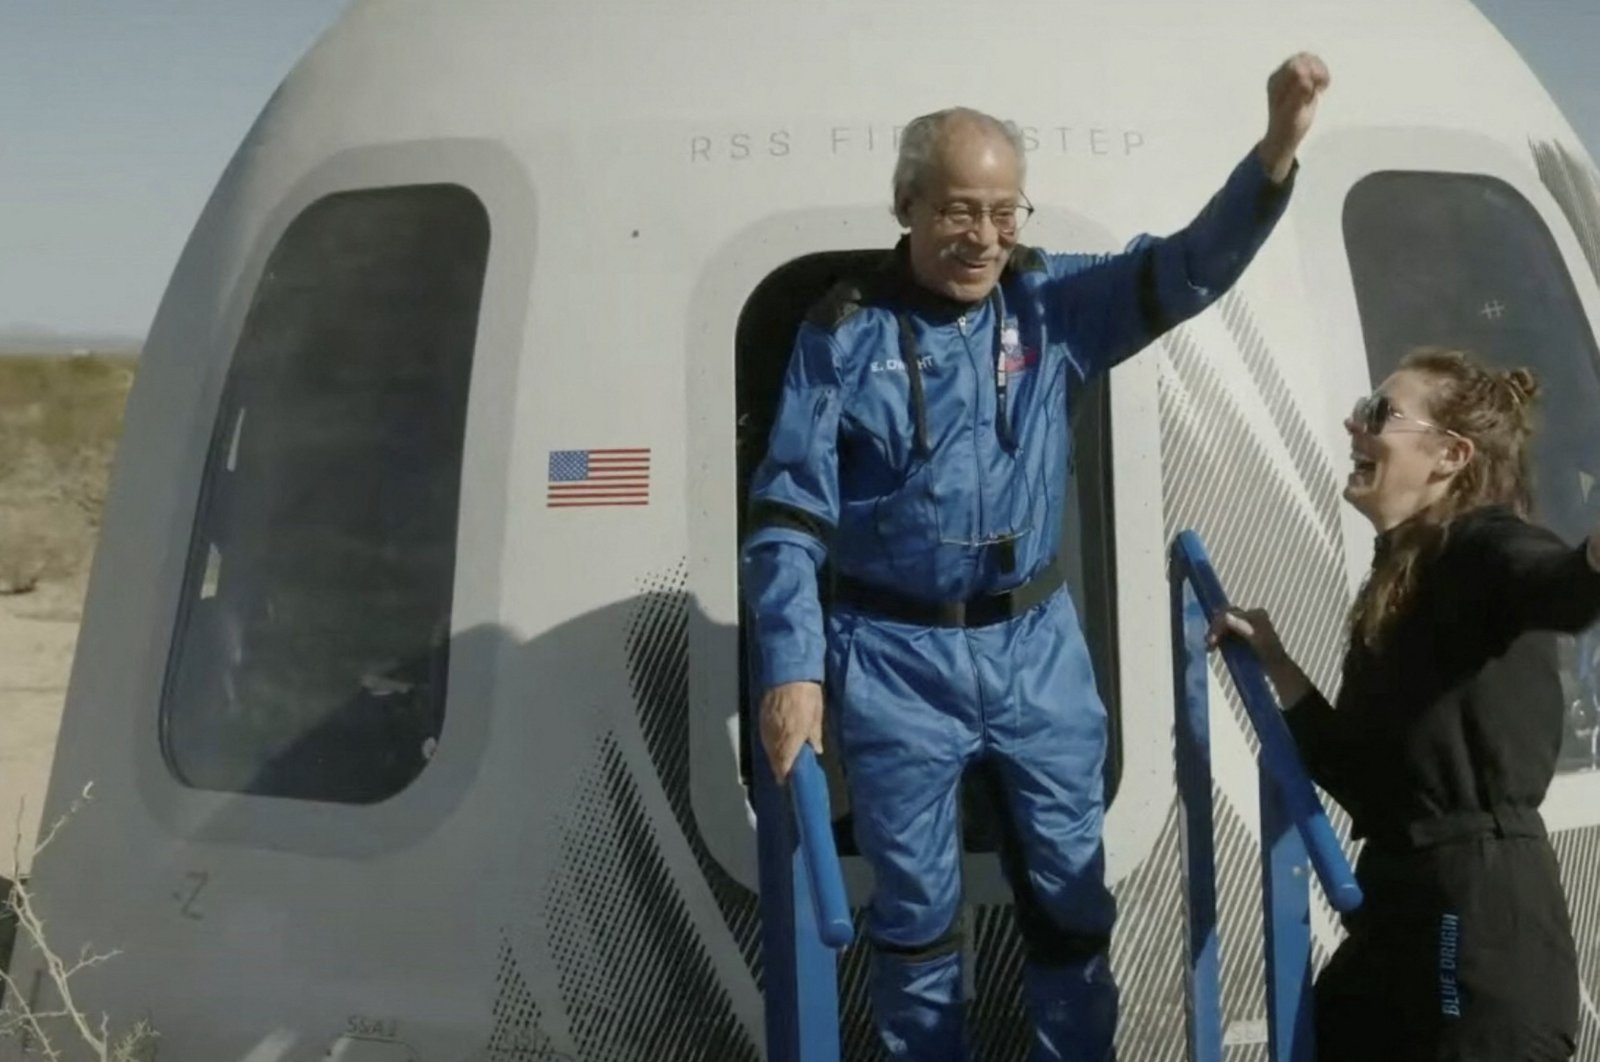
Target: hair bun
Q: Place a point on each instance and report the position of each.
(1523, 383)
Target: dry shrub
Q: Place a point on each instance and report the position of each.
(60, 1030)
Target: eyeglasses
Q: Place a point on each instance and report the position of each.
(1372, 412)
(1006, 217)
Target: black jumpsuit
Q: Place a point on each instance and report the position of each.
(1441, 748)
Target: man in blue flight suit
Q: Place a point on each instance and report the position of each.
(919, 457)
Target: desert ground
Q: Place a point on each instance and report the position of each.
(60, 417)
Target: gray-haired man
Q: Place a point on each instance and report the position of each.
(921, 449)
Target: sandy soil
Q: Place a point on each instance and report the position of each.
(59, 422)
(37, 633)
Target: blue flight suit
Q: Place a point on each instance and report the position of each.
(919, 459)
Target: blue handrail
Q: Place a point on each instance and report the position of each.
(809, 788)
(1278, 756)
(1294, 829)
(797, 855)
(800, 934)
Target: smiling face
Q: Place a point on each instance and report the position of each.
(956, 248)
(1404, 463)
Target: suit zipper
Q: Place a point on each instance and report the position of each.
(977, 403)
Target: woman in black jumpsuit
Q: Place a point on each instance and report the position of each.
(1443, 738)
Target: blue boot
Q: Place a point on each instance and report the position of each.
(1074, 1010)
(919, 1008)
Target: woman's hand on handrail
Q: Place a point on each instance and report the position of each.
(1253, 627)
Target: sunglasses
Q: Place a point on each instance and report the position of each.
(1373, 412)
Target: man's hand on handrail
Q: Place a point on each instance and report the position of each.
(1254, 628)
(791, 716)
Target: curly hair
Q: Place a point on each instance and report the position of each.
(1495, 410)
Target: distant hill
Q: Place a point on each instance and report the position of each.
(28, 339)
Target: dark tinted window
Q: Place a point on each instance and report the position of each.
(312, 641)
(1465, 261)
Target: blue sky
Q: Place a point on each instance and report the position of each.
(116, 119)
(117, 116)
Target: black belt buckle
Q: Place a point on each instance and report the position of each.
(992, 609)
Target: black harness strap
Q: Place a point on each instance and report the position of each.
(919, 400)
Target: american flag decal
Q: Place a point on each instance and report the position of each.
(598, 477)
